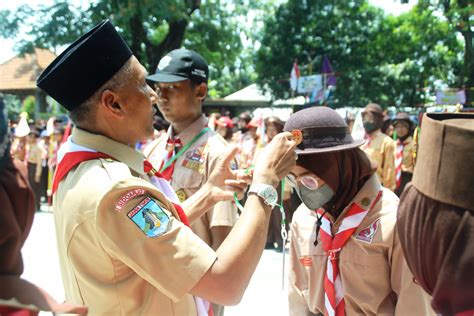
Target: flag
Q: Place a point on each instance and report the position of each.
(295, 74)
(327, 69)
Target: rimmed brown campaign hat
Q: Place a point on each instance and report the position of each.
(436, 213)
(320, 130)
(403, 117)
(78, 72)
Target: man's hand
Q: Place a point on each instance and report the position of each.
(276, 160)
(224, 181)
(37, 178)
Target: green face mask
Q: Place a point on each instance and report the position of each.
(369, 126)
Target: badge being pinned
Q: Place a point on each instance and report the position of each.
(297, 136)
(367, 234)
(150, 218)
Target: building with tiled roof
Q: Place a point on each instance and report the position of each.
(18, 75)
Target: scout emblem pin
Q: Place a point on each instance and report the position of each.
(297, 136)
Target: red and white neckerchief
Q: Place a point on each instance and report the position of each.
(399, 161)
(70, 155)
(332, 245)
(173, 145)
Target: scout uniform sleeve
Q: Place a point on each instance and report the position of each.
(388, 172)
(136, 225)
(411, 298)
(298, 281)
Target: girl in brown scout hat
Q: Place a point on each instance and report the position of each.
(404, 151)
(345, 255)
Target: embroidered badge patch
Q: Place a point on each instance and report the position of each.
(127, 197)
(150, 218)
(367, 234)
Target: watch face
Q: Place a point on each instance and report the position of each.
(270, 196)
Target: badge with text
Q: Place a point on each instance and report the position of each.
(127, 197)
(181, 195)
(150, 218)
(367, 234)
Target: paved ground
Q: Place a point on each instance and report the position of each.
(264, 296)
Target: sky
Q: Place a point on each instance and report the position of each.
(394, 7)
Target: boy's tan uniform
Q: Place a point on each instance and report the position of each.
(381, 148)
(192, 170)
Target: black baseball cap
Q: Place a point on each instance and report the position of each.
(181, 64)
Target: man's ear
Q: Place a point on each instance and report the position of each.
(201, 91)
(109, 101)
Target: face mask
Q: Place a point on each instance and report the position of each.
(314, 199)
(369, 126)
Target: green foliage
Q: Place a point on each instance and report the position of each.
(12, 105)
(151, 28)
(29, 106)
(390, 60)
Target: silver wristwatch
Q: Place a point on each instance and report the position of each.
(267, 192)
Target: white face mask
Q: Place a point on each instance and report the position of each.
(314, 199)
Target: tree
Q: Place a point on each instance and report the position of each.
(150, 28)
(459, 14)
(381, 59)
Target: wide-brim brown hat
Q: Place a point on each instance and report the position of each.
(320, 130)
(403, 117)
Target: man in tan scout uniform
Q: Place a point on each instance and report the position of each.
(345, 255)
(198, 148)
(379, 147)
(123, 241)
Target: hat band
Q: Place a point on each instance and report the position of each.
(325, 141)
(324, 131)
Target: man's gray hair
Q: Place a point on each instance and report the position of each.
(86, 110)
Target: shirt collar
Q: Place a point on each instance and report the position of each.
(191, 131)
(123, 153)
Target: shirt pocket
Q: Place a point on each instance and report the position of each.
(187, 176)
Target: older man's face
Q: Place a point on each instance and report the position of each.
(138, 99)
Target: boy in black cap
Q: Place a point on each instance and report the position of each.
(190, 151)
(345, 256)
(123, 241)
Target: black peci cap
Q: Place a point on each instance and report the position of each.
(319, 130)
(181, 64)
(94, 58)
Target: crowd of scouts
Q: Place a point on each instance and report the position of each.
(174, 213)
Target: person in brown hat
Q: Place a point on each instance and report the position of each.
(404, 151)
(345, 255)
(18, 296)
(379, 147)
(436, 213)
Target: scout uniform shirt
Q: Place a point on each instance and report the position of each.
(408, 161)
(122, 249)
(191, 171)
(375, 277)
(381, 148)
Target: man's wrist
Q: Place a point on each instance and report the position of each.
(264, 179)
